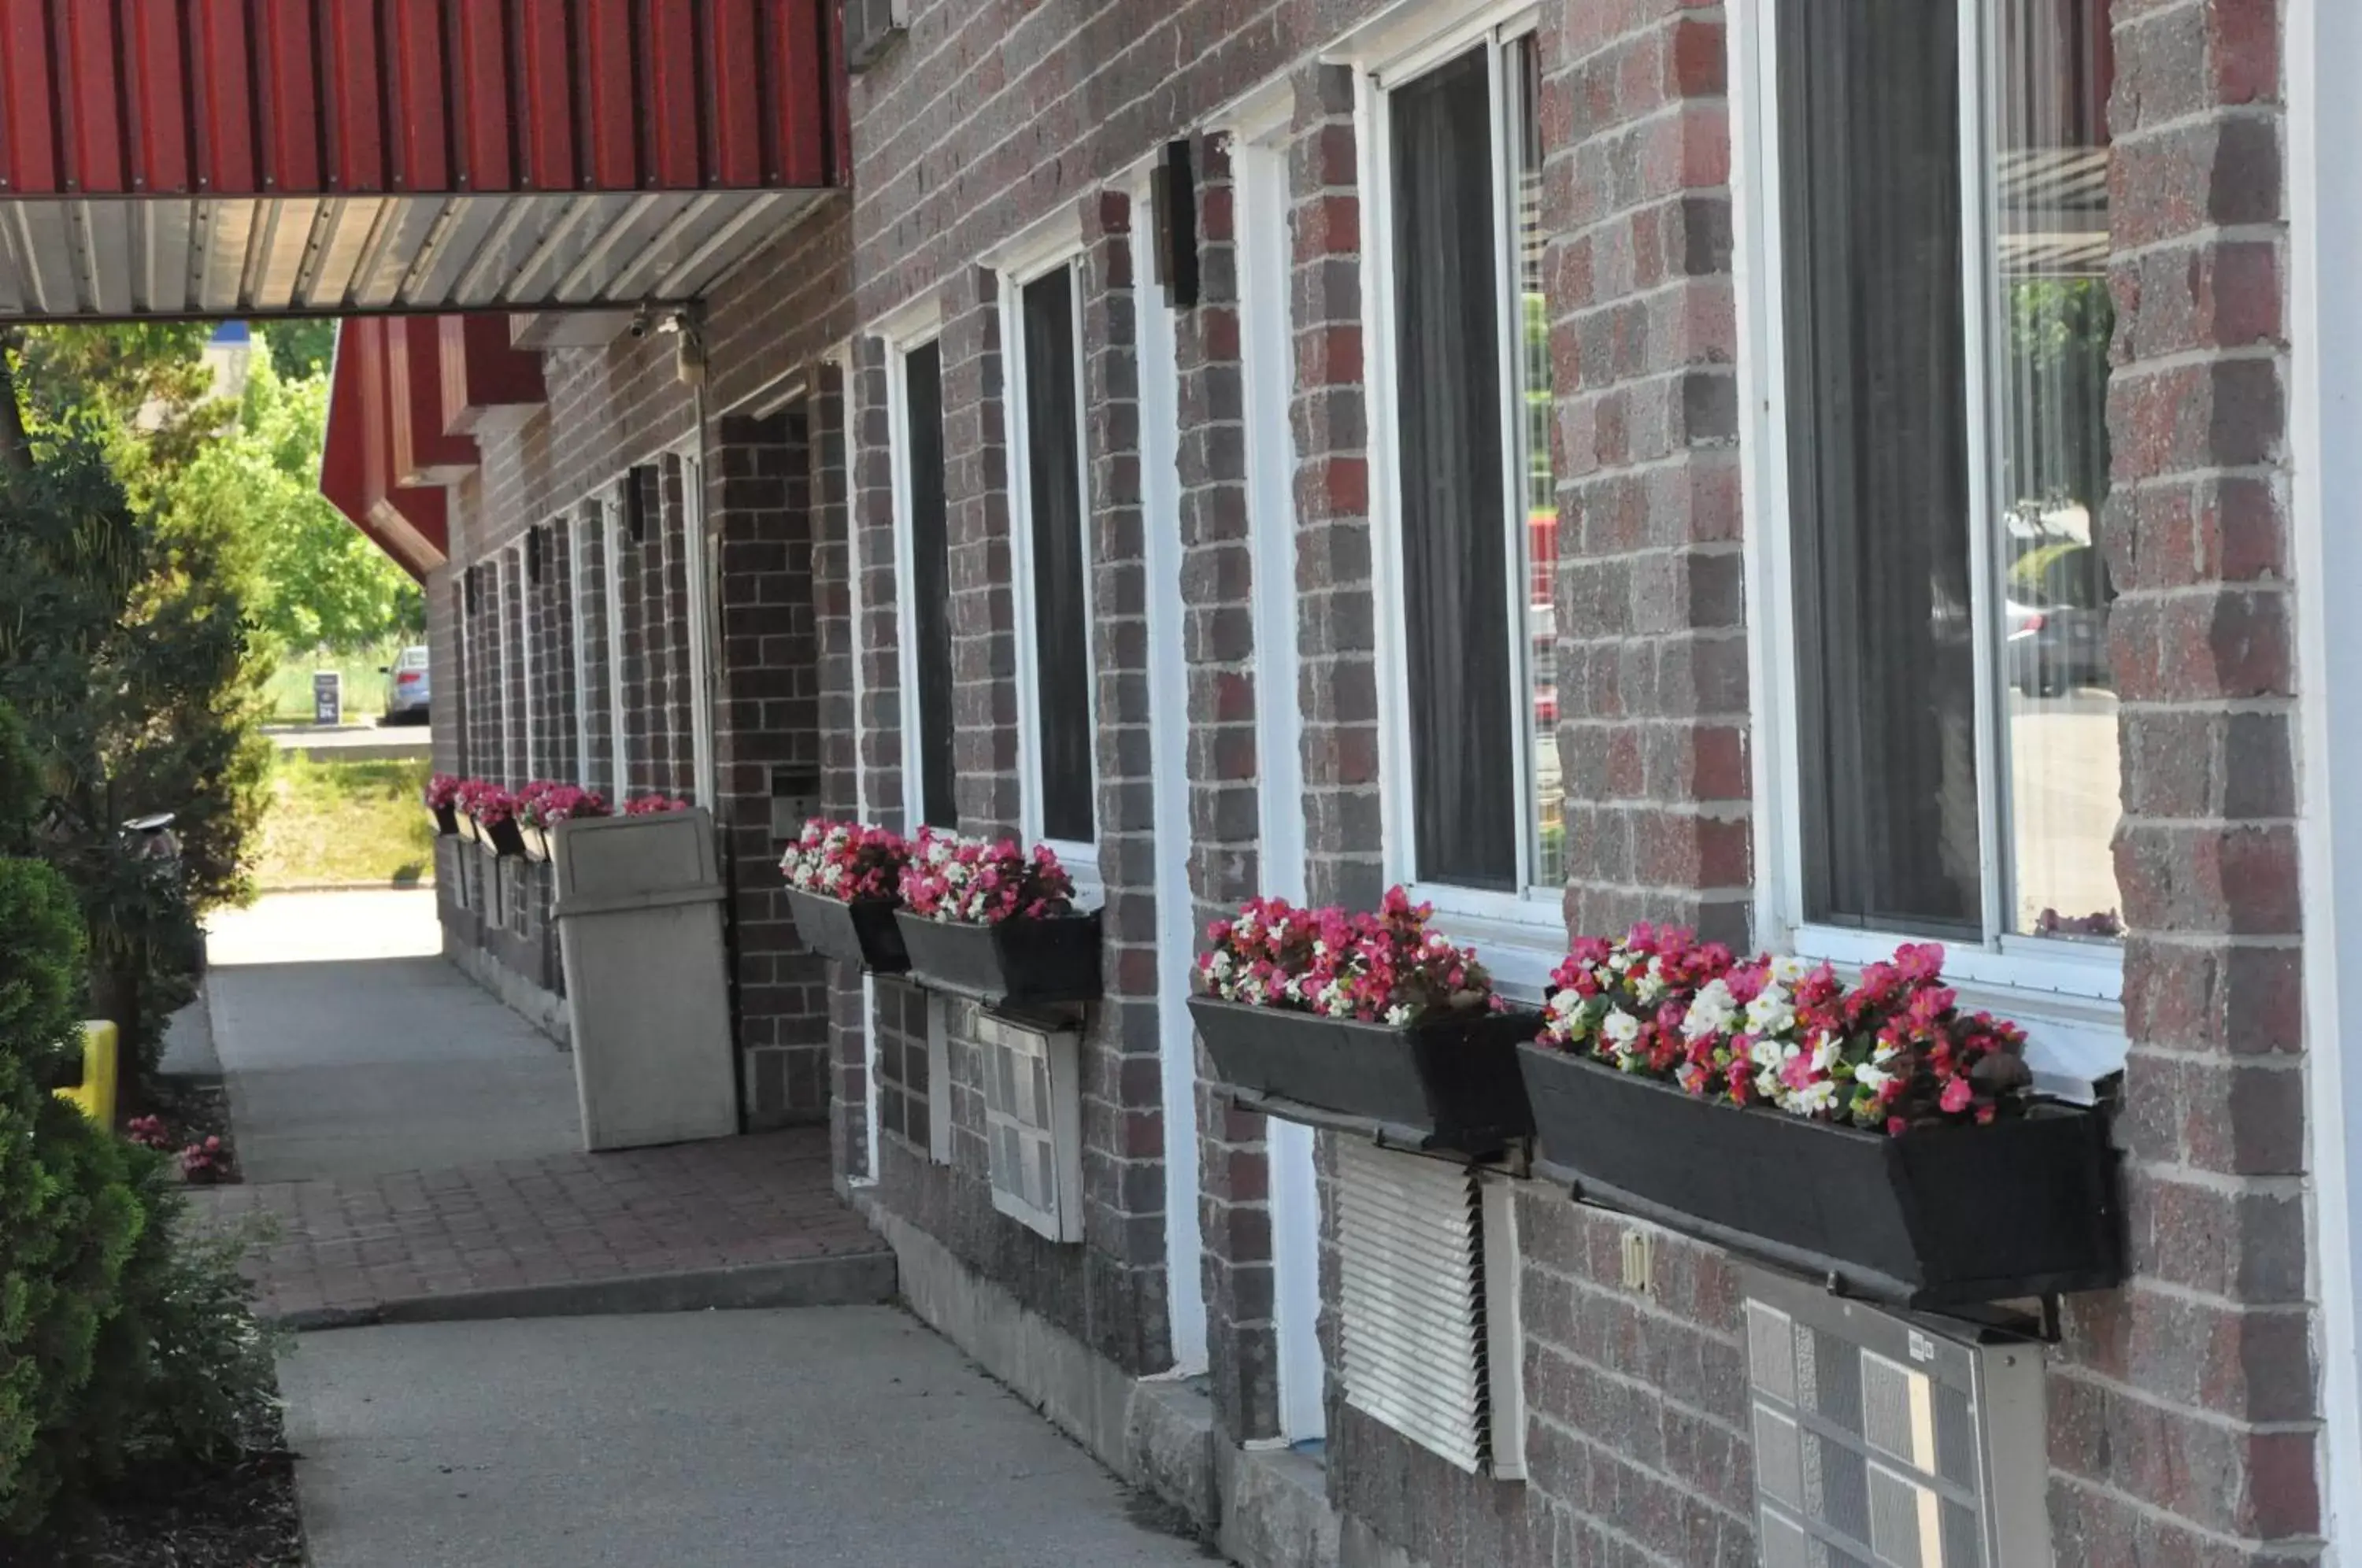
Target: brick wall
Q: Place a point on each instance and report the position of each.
(2158, 1451)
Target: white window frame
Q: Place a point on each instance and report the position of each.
(688, 456)
(521, 564)
(1056, 247)
(504, 638)
(579, 621)
(2069, 994)
(900, 336)
(619, 751)
(1521, 936)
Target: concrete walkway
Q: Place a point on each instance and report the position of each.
(828, 1437)
(414, 1149)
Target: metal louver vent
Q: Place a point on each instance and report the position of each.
(1890, 1441)
(1412, 1236)
(1032, 1123)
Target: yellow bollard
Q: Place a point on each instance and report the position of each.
(94, 1096)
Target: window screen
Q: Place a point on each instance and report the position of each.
(1456, 601)
(1879, 462)
(1061, 610)
(930, 586)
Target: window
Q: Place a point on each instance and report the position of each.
(1475, 497)
(1945, 320)
(1055, 659)
(928, 576)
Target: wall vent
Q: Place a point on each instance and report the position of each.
(1033, 1121)
(1890, 1441)
(1427, 1312)
(871, 27)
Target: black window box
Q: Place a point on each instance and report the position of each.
(1448, 1085)
(852, 930)
(446, 821)
(505, 836)
(1015, 963)
(1941, 1216)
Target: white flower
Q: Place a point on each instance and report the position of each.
(1824, 1052)
(1767, 1084)
(1871, 1076)
(1772, 1012)
(1769, 1055)
(1811, 1100)
(1568, 1002)
(1398, 1014)
(1711, 1012)
(1787, 970)
(1221, 964)
(1620, 1028)
(1650, 986)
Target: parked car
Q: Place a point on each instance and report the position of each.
(2053, 648)
(406, 687)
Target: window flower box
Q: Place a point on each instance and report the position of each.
(443, 805)
(1020, 962)
(862, 931)
(843, 884)
(468, 829)
(1448, 1085)
(1934, 1217)
(1367, 1023)
(536, 843)
(504, 834)
(1875, 1136)
(989, 920)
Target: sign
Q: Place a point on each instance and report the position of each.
(328, 697)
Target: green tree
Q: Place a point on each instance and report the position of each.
(126, 646)
(320, 582)
(302, 349)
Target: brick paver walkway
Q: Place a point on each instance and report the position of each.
(346, 1248)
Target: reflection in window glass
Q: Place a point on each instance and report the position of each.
(2053, 320)
(1523, 73)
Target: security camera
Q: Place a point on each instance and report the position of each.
(644, 321)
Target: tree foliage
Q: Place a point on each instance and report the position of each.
(320, 583)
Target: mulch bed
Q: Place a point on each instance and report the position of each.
(195, 1108)
(241, 1517)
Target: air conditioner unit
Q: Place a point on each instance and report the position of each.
(1430, 1333)
(1033, 1121)
(1885, 1441)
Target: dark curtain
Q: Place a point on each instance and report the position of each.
(1061, 628)
(1455, 547)
(931, 585)
(1878, 420)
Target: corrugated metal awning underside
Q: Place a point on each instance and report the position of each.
(65, 259)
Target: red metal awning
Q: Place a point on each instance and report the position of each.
(374, 434)
(252, 157)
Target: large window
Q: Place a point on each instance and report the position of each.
(1946, 318)
(1056, 574)
(1477, 507)
(928, 583)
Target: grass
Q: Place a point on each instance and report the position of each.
(289, 687)
(345, 823)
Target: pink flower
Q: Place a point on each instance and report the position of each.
(1955, 1096)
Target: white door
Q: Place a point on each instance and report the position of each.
(1260, 167)
(1177, 924)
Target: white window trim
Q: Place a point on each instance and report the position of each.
(2068, 995)
(579, 623)
(1521, 936)
(905, 333)
(688, 457)
(1081, 860)
(2324, 37)
(526, 588)
(619, 755)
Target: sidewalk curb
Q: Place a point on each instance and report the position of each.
(856, 1279)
